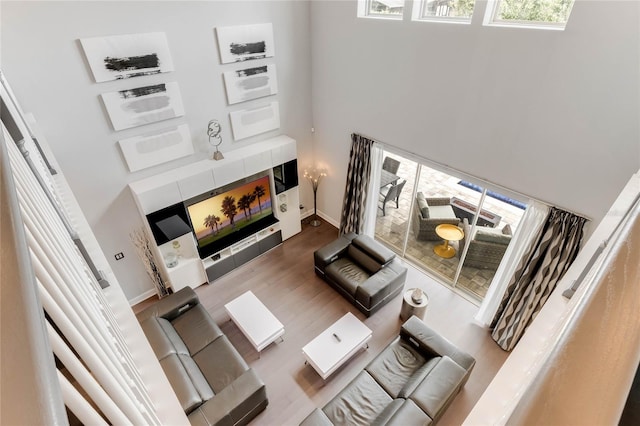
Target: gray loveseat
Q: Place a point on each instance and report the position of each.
(211, 380)
(361, 269)
(411, 382)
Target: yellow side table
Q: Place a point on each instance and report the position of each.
(448, 233)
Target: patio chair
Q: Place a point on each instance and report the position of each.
(390, 165)
(487, 245)
(429, 213)
(389, 193)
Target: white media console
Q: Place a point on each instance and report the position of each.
(181, 184)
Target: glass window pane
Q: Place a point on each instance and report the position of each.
(499, 218)
(460, 9)
(385, 7)
(536, 11)
(392, 223)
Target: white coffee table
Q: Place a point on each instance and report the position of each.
(336, 345)
(255, 321)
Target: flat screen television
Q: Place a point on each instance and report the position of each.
(230, 214)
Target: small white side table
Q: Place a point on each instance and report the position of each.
(410, 307)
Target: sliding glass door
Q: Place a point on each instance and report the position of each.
(453, 229)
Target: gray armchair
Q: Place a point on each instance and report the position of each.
(429, 213)
(487, 245)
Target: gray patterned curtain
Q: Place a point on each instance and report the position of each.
(355, 194)
(537, 275)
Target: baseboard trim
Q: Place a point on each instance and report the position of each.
(328, 219)
(144, 296)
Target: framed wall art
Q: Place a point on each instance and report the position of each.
(245, 42)
(250, 122)
(143, 105)
(250, 83)
(156, 147)
(126, 56)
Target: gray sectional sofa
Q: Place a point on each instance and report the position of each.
(211, 380)
(411, 382)
(361, 269)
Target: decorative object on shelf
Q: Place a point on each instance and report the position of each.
(314, 176)
(250, 122)
(215, 140)
(245, 42)
(250, 83)
(176, 246)
(417, 295)
(142, 243)
(125, 56)
(282, 201)
(156, 147)
(143, 105)
(171, 260)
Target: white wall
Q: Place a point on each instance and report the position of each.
(43, 61)
(550, 114)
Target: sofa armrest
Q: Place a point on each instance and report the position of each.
(317, 418)
(171, 306)
(329, 253)
(428, 341)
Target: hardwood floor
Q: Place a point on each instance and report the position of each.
(284, 280)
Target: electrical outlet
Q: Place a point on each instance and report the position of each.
(119, 256)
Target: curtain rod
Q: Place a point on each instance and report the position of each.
(441, 166)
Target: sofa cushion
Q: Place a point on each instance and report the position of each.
(377, 251)
(417, 377)
(393, 367)
(363, 259)
(439, 387)
(196, 328)
(442, 212)
(360, 403)
(220, 363)
(409, 414)
(347, 274)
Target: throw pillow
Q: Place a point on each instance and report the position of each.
(423, 206)
(506, 230)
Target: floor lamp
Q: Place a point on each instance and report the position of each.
(314, 177)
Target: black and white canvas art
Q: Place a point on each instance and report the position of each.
(245, 42)
(143, 105)
(250, 122)
(125, 56)
(156, 147)
(250, 83)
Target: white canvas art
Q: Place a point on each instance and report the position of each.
(143, 105)
(250, 122)
(250, 83)
(156, 147)
(244, 42)
(125, 56)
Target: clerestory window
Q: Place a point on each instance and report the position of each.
(548, 14)
(388, 9)
(443, 10)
